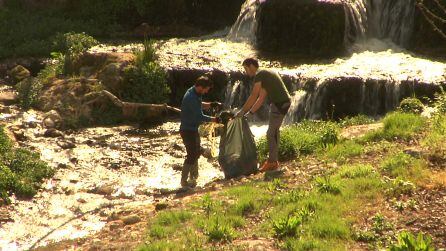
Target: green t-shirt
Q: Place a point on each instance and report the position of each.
(273, 85)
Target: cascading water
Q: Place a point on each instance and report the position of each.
(372, 81)
(381, 19)
(244, 29)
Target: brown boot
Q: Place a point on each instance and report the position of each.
(269, 166)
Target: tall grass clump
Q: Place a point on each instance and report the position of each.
(397, 125)
(301, 139)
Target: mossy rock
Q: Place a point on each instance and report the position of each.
(18, 74)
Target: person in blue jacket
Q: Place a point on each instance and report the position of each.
(191, 117)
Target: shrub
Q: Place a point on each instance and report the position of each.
(411, 105)
(397, 125)
(29, 91)
(21, 171)
(147, 84)
(407, 241)
(73, 43)
(146, 81)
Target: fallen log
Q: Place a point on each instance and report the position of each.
(136, 111)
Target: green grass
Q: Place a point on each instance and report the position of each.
(342, 152)
(397, 126)
(21, 171)
(403, 166)
(356, 120)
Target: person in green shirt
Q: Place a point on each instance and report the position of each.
(269, 84)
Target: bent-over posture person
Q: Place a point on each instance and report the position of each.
(191, 118)
(267, 83)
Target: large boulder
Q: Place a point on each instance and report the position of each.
(18, 74)
(112, 77)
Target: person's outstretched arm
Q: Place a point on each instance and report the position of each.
(252, 99)
(259, 101)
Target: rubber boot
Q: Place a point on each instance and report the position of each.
(193, 175)
(185, 174)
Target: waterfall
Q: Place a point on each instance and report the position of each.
(244, 29)
(382, 19)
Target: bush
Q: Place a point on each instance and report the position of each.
(411, 105)
(146, 81)
(408, 242)
(29, 91)
(21, 171)
(435, 140)
(303, 138)
(72, 43)
(397, 125)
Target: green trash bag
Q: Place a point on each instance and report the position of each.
(238, 153)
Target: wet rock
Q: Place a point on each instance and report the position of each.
(18, 74)
(81, 200)
(115, 165)
(131, 219)
(105, 189)
(20, 135)
(66, 144)
(8, 98)
(53, 133)
(52, 119)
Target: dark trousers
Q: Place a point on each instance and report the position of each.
(192, 143)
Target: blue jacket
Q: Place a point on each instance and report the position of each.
(191, 111)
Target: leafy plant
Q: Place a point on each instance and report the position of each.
(408, 242)
(400, 186)
(287, 227)
(327, 185)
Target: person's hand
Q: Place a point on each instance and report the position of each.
(216, 105)
(240, 114)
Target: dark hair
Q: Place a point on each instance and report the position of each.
(204, 82)
(251, 61)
